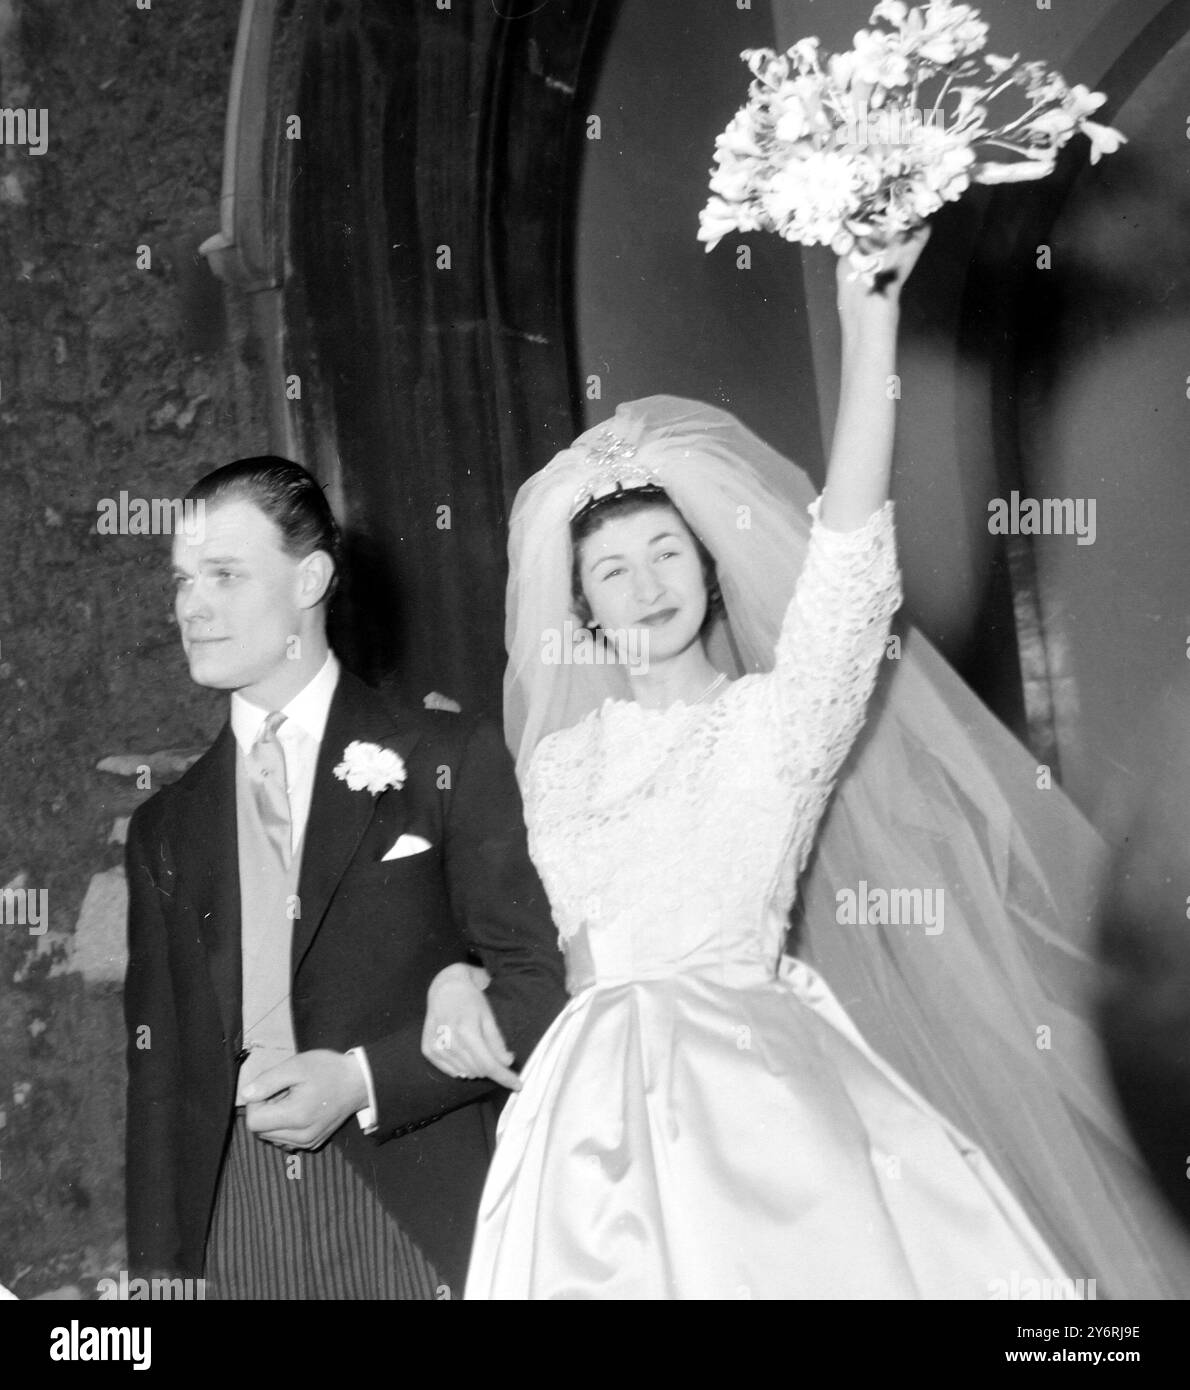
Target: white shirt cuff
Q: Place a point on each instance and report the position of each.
(366, 1116)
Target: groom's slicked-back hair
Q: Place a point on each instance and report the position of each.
(291, 497)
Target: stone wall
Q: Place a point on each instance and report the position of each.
(113, 379)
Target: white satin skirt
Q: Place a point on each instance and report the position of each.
(683, 1138)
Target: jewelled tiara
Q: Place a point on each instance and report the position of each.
(612, 470)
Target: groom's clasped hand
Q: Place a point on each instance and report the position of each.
(299, 1103)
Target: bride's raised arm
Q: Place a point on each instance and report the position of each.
(861, 454)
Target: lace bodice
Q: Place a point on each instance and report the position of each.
(671, 840)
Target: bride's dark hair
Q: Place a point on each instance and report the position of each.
(622, 503)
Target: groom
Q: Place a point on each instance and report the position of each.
(290, 900)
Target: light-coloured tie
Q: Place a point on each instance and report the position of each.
(267, 760)
(268, 896)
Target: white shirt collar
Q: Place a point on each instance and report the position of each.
(308, 710)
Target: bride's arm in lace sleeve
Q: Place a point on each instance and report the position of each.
(861, 452)
(834, 633)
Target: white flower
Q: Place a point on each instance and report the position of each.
(369, 767)
(1022, 171)
(732, 181)
(1104, 139)
(841, 68)
(1054, 126)
(943, 166)
(881, 59)
(767, 66)
(805, 54)
(816, 194)
(793, 124)
(1080, 101)
(894, 11)
(950, 32)
(738, 139)
(716, 220)
(939, 49)
(794, 121)
(1040, 83)
(999, 66)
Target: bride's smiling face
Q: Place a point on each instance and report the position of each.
(645, 570)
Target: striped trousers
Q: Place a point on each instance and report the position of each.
(306, 1226)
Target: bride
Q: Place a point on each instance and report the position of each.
(705, 1119)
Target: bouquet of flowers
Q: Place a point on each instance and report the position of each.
(851, 150)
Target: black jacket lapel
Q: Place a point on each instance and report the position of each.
(339, 816)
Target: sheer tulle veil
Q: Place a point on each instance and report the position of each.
(987, 1017)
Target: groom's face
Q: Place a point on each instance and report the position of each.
(237, 598)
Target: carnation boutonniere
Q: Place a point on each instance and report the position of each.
(366, 767)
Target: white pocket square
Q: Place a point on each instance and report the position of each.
(407, 845)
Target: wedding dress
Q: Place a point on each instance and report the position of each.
(704, 1119)
(697, 1124)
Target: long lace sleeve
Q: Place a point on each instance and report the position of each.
(832, 641)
